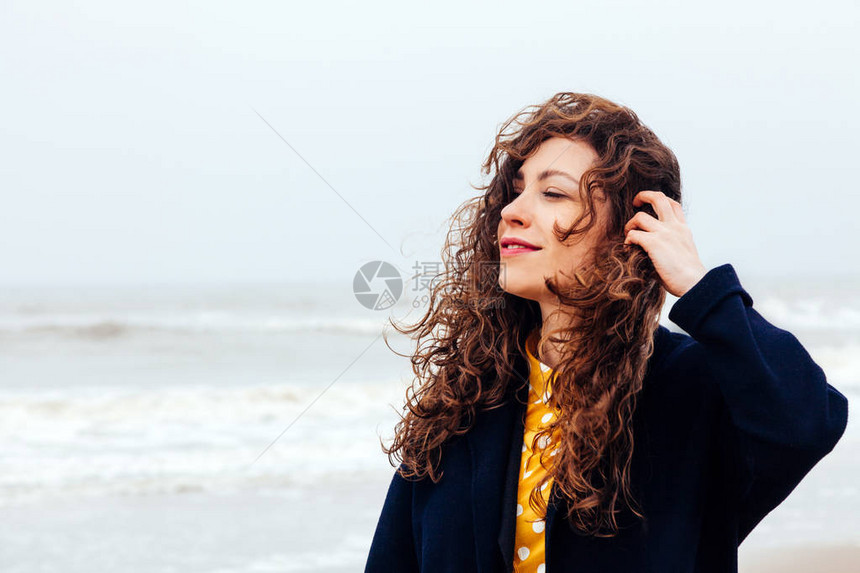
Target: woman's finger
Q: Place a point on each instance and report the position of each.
(679, 211)
(642, 220)
(637, 237)
(661, 204)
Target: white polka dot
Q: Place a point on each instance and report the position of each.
(554, 452)
(538, 526)
(519, 510)
(544, 367)
(524, 447)
(538, 401)
(523, 553)
(528, 473)
(544, 486)
(546, 418)
(541, 568)
(544, 441)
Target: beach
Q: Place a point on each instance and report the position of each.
(801, 559)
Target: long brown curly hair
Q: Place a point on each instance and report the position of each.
(473, 332)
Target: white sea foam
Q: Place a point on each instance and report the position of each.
(814, 313)
(96, 441)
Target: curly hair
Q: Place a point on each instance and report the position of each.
(473, 333)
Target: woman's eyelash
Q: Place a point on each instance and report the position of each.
(545, 193)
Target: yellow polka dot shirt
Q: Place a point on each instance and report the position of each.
(529, 539)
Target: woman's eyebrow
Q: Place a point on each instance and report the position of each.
(518, 176)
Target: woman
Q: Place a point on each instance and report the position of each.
(554, 425)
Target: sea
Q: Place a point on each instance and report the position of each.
(239, 428)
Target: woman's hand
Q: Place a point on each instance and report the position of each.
(667, 240)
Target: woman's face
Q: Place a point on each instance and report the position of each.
(547, 191)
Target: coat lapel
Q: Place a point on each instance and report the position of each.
(495, 445)
(508, 522)
(507, 529)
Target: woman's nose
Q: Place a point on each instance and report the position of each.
(517, 211)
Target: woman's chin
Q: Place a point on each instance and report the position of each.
(526, 291)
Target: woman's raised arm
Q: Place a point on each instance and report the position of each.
(784, 415)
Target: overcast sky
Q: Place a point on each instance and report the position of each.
(133, 152)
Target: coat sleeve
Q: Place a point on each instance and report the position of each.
(783, 416)
(393, 547)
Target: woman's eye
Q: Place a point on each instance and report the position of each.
(549, 194)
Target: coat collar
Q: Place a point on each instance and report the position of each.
(495, 446)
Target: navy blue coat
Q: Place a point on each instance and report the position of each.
(730, 419)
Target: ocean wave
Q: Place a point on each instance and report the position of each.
(97, 442)
(107, 326)
(811, 314)
(814, 314)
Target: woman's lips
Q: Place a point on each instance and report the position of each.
(513, 251)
